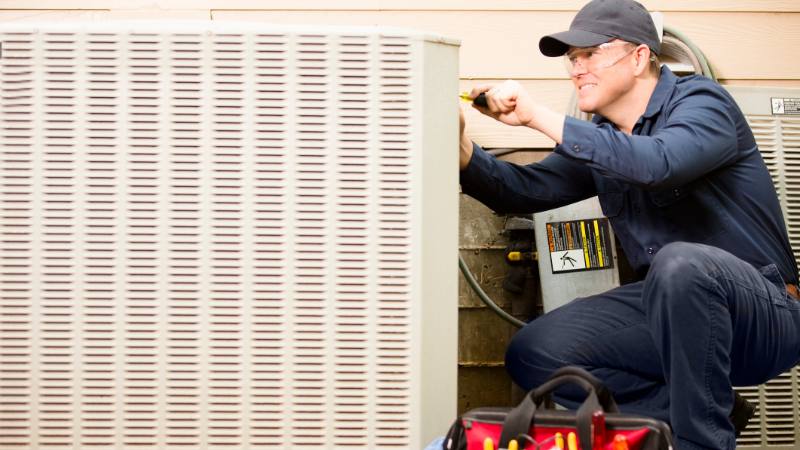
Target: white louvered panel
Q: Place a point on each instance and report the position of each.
(775, 423)
(247, 83)
(751, 436)
(355, 90)
(789, 130)
(311, 226)
(226, 329)
(59, 281)
(394, 291)
(783, 394)
(795, 400)
(19, 314)
(143, 263)
(187, 332)
(271, 389)
(764, 130)
(779, 410)
(207, 239)
(101, 216)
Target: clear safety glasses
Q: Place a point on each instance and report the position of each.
(591, 59)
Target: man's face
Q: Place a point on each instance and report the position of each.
(600, 74)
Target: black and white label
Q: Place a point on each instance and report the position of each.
(785, 106)
(579, 245)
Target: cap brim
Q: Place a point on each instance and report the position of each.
(557, 44)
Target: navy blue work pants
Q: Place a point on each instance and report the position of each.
(673, 345)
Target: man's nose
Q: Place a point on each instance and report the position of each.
(578, 68)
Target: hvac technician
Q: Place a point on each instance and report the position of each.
(680, 177)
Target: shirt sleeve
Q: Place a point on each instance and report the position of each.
(511, 188)
(698, 137)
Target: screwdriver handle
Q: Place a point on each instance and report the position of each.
(480, 100)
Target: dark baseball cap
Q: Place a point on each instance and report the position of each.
(600, 21)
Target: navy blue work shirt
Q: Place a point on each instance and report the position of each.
(690, 171)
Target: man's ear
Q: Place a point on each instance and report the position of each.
(642, 53)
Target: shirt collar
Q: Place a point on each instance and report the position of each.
(665, 84)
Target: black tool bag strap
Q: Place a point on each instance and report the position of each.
(582, 378)
(518, 420)
(583, 420)
(456, 438)
(598, 398)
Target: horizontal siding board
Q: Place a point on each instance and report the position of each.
(41, 16)
(762, 83)
(489, 134)
(96, 15)
(765, 45)
(192, 14)
(80, 4)
(505, 44)
(551, 93)
(493, 134)
(400, 5)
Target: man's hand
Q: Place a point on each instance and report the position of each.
(465, 145)
(510, 104)
(507, 102)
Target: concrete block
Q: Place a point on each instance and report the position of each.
(489, 269)
(483, 337)
(478, 225)
(483, 386)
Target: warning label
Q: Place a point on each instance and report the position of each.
(579, 245)
(785, 106)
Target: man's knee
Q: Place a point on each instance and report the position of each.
(531, 355)
(681, 275)
(679, 262)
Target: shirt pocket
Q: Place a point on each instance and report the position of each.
(611, 203)
(667, 197)
(690, 213)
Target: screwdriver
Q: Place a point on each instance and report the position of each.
(620, 442)
(559, 441)
(480, 100)
(572, 441)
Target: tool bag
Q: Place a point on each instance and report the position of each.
(535, 424)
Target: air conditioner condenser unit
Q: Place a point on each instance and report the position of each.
(226, 234)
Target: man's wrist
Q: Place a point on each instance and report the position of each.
(547, 121)
(536, 114)
(465, 152)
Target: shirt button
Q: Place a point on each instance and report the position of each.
(677, 192)
(650, 250)
(576, 147)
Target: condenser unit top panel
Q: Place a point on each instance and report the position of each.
(184, 26)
